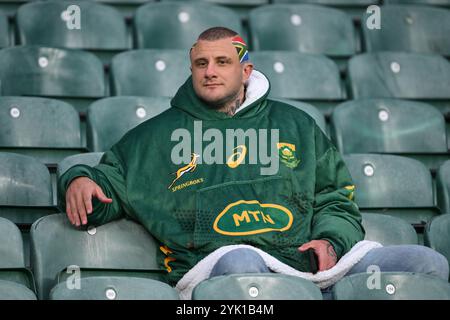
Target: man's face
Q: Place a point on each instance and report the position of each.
(217, 74)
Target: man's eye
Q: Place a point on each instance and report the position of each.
(222, 62)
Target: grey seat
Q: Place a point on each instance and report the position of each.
(59, 251)
(256, 287)
(393, 185)
(391, 286)
(115, 288)
(388, 230)
(13, 291)
(437, 235)
(25, 189)
(153, 73)
(110, 118)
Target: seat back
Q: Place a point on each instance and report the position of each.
(443, 187)
(110, 118)
(399, 75)
(118, 245)
(149, 72)
(256, 287)
(388, 230)
(304, 28)
(409, 28)
(40, 71)
(388, 126)
(320, 76)
(391, 286)
(176, 25)
(115, 288)
(100, 26)
(437, 235)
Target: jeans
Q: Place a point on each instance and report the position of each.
(406, 258)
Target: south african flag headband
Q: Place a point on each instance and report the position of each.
(241, 48)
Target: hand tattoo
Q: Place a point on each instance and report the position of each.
(331, 252)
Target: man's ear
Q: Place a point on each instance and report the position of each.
(247, 70)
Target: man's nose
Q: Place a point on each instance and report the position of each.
(210, 71)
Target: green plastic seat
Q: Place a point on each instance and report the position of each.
(90, 158)
(411, 28)
(402, 127)
(101, 27)
(126, 8)
(13, 291)
(388, 230)
(110, 118)
(443, 187)
(444, 3)
(115, 288)
(4, 30)
(399, 75)
(121, 247)
(149, 72)
(40, 71)
(319, 83)
(393, 185)
(14, 275)
(310, 110)
(304, 28)
(437, 235)
(25, 189)
(46, 129)
(176, 25)
(256, 287)
(391, 286)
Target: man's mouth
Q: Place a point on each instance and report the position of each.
(212, 85)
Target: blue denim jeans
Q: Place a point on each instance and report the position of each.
(407, 258)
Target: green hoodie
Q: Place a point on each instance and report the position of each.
(216, 204)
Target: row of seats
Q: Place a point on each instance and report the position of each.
(118, 261)
(49, 129)
(78, 76)
(175, 25)
(395, 185)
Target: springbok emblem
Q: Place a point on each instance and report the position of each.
(187, 168)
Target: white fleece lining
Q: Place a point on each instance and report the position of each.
(322, 279)
(257, 86)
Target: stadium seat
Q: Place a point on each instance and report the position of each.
(437, 235)
(25, 189)
(126, 8)
(15, 279)
(393, 126)
(115, 288)
(410, 28)
(388, 230)
(149, 72)
(110, 118)
(90, 158)
(319, 83)
(310, 110)
(102, 28)
(9, 7)
(256, 287)
(118, 248)
(354, 8)
(304, 28)
(443, 3)
(4, 30)
(391, 286)
(46, 129)
(393, 185)
(69, 75)
(176, 25)
(443, 187)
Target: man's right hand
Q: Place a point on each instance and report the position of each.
(79, 199)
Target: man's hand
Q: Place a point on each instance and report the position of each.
(326, 256)
(79, 199)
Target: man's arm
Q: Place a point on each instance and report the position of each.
(336, 224)
(98, 194)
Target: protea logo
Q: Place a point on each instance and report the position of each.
(244, 217)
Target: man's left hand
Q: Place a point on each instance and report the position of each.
(324, 251)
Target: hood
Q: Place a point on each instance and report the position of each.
(258, 88)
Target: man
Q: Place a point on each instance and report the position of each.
(197, 206)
